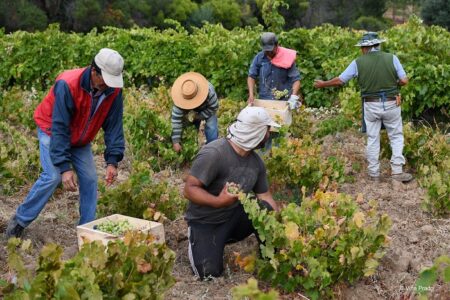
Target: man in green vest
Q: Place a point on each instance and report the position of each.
(380, 75)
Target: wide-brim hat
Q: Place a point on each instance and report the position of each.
(190, 90)
(369, 39)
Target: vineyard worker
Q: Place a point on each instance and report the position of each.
(216, 217)
(193, 94)
(379, 76)
(275, 69)
(79, 103)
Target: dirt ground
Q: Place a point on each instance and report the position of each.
(417, 238)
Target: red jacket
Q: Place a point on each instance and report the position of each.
(82, 130)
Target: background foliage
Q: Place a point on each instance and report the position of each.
(84, 15)
(223, 56)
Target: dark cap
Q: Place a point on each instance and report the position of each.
(268, 41)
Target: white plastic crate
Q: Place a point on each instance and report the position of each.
(278, 110)
(87, 233)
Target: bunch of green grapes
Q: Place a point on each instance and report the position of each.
(233, 188)
(116, 228)
(279, 94)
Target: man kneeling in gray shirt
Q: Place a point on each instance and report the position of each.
(216, 217)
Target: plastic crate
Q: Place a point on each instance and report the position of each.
(87, 233)
(278, 110)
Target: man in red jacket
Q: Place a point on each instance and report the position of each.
(79, 103)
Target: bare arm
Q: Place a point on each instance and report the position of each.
(251, 90)
(296, 88)
(336, 81)
(195, 192)
(267, 196)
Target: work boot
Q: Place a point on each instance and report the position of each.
(14, 229)
(402, 177)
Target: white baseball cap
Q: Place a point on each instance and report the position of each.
(256, 116)
(111, 64)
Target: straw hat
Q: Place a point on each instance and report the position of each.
(190, 90)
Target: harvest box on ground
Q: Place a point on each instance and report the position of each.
(278, 110)
(86, 232)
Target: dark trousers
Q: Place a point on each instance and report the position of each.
(207, 241)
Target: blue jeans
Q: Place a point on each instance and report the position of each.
(211, 129)
(43, 188)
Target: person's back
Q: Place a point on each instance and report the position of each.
(379, 76)
(376, 73)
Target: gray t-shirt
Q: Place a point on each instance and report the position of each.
(218, 163)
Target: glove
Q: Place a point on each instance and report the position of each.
(293, 102)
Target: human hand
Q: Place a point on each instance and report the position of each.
(294, 102)
(225, 198)
(319, 83)
(68, 181)
(251, 100)
(398, 99)
(177, 147)
(111, 174)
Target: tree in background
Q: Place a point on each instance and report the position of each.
(181, 10)
(293, 14)
(276, 15)
(371, 16)
(273, 20)
(21, 14)
(227, 12)
(372, 8)
(86, 15)
(436, 12)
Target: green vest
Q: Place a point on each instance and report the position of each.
(377, 74)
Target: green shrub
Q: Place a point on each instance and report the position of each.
(331, 126)
(227, 113)
(324, 241)
(250, 291)
(427, 150)
(429, 276)
(369, 23)
(19, 158)
(135, 268)
(301, 123)
(224, 56)
(17, 106)
(437, 183)
(148, 128)
(299, 163)
(141, 191)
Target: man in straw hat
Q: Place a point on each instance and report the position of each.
(216, 217)
(191, 92)
(379, 75)
(79, 103)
